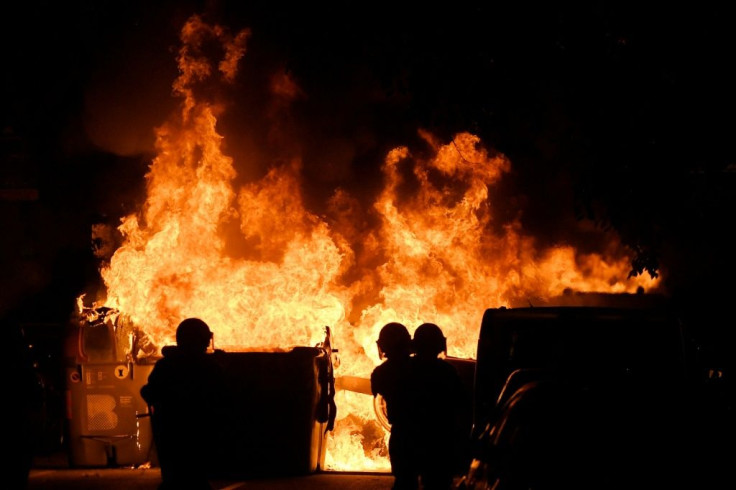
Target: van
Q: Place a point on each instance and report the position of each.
(582, 397)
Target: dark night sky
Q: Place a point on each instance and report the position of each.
(610, 110)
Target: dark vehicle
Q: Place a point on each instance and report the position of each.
(584, 397)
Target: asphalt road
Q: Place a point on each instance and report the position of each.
(52, 472)
(150, 478)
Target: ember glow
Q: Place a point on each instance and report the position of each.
(267, 273)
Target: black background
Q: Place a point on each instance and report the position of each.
(616, 113)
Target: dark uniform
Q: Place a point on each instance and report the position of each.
(393, 381)
(439, 395)
(186, 391)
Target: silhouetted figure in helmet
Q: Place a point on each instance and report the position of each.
(440, 398)
(186, 391)
(392, 380)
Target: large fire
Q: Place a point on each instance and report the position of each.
(430, 251)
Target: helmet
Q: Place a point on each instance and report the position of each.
(193, 335)
(394, 339)
(429, 340)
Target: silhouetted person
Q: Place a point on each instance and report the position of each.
(186, 391)
(440, 401)
(392, 379)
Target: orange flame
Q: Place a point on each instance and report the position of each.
(435, 254)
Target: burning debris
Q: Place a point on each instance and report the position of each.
(267, 273)
(111, 335)
(280, 403)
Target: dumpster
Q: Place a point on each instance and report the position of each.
(281, 408)
(106, 416)
(281, 411)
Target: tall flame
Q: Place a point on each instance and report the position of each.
(430, 252)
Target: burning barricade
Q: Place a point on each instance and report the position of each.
(239, 242)
(282, 403)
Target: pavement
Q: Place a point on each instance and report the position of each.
(52, 472)
(150, 478)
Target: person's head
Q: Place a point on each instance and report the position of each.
(394, 340)
(429, 341)
(193, 335)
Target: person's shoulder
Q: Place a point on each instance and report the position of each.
(396, 364)
(169, 356)
(163, 362)
(379, 369)
(169, 351)
(384, 372)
